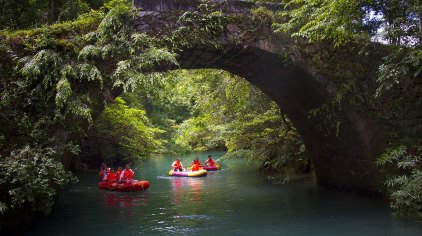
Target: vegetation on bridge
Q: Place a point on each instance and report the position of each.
(56, 80)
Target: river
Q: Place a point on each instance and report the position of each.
(234, 201)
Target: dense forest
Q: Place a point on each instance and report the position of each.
(74, 77)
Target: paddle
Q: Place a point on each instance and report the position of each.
(134, 170)
(138, 167)
(130, 163)
(184, 161)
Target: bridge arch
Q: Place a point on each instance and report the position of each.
(343, 159)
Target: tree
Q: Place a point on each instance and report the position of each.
(22, 14)
(123, 133)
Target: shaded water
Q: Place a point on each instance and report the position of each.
(234, 201)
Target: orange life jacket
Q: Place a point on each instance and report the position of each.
(195, 167)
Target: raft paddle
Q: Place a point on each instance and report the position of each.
(185, 162)
(138, 166)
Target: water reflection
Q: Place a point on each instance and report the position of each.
(124, 200)
(186, 190)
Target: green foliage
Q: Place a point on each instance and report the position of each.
(70, 16)
(30, 177)
(51, 84)
(397, 95)
(339, 22)
(198, 134)
(61, 36)
(71, 10)
(403, 165)
(263, 15)
(21, 14)
(164, 105)
(45, 64)
(399, 67)
(270, 139)
(124, 133)
(400, 21)
(212, 110)
(225, 112)
(84, 23)
(56, 77)
(336, 21)
(203, 26)
(64, 91)
(399, 86)
(46, 67)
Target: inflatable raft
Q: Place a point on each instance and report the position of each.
(212, 168)
(125, 187)
(198, 173)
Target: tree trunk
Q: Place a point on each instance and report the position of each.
(420, 26)
(52, 14)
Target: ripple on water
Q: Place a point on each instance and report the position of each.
(201, 217)
(164, 177)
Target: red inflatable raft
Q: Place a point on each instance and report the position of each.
(133, 186)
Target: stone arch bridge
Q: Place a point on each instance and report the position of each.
(344, 154)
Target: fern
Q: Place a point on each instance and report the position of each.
(405, 187)
(81, 107)
(64, 91)
(45, 65)
(141, 40)
(89, 52)
(89, 72)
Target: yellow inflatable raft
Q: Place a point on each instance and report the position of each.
(198, 173)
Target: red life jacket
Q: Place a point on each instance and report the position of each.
(210, 162)
(102, 172)
(126, 175)
(117, 175)
(111, 176)
(177, 165)
(198, 162)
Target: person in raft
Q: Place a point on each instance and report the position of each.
(118, 173)
(126, 175)
(177, 165)
(111, 177)
(210, 161)
(196, 164)
(102, 170)
(196, 161)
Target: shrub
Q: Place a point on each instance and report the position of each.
(31, 177)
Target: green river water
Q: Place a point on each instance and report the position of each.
(234, 201)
